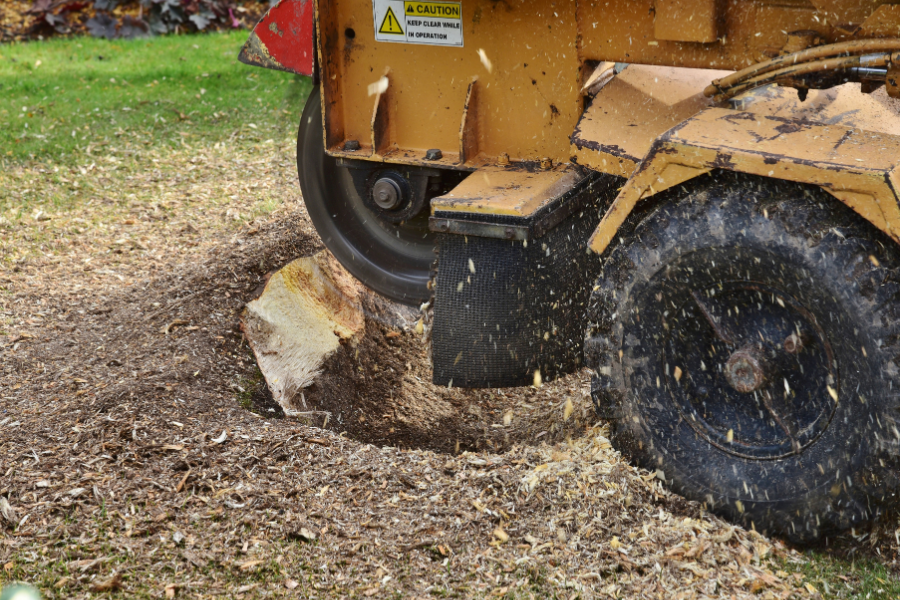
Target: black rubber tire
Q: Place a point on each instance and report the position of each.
(395, 260)
(732, 232)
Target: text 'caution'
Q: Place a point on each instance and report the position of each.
(431, 23)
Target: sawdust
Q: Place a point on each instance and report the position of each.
(128, 461)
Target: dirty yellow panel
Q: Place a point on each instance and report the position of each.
(857, 166)
(513, 192)
(624, 31)
(842, 105)
(686, 20)
(884, 22)
(522, 53)
(528, 59)
(793, 143)
(631, 111)
(846, 13)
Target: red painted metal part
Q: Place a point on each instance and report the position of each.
(284, 39)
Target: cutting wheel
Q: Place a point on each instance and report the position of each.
(394, 259)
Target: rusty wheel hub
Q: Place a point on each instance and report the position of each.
(746, 369)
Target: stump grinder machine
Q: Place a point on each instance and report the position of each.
(695, 199)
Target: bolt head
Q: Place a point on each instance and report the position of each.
(387, 194)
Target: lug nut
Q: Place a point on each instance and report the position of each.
(434, 154)
(351, 145)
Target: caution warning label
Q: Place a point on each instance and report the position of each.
(432, 23)
(390, 25)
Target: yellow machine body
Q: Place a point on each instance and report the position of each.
(533, 84)
(846, 142)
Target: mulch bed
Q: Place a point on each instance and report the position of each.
(129, 459)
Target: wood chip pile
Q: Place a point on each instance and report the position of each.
(130, 465)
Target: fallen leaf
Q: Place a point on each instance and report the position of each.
(87, 564)
(192, 558)
(181, 483)
(557, 456)
(221, 438)
(501, 535)
(246, 566)
(107, 585)
(697, 550)
(165, 330)
(290, 584)
(9, 515)
(302, 534)
(63, 582)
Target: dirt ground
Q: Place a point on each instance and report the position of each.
(140, 455)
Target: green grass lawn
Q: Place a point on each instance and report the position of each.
(63, 97)
(837, 578)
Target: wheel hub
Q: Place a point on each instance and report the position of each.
(749, 369)
(387, 194)
(746, 369)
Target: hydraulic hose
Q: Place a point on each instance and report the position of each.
(725, 87)
(819, 66)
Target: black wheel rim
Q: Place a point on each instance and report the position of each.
(394, 259)
(749, 369)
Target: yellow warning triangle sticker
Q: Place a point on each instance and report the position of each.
(390, 24)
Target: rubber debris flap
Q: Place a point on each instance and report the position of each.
(505, 308)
